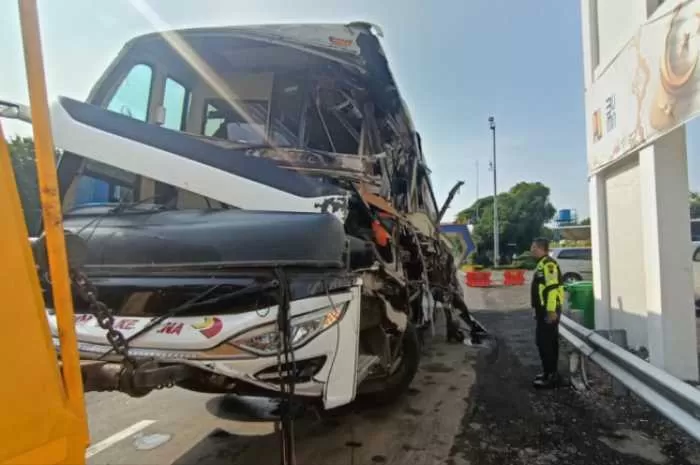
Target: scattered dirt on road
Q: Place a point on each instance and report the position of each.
(437, 367)
(418, 428)
(470, 406)
(508, 422)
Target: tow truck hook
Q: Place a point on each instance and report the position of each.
(136, 382)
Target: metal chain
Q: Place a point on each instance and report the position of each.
(88, 292)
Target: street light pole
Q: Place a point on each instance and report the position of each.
(477, 189)
(496, 251)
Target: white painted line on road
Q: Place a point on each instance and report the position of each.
(115, 438)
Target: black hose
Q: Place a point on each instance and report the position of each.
(286, 386)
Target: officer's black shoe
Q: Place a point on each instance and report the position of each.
(540, 376)
(548, 381)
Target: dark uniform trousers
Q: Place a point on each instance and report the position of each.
(547, 336)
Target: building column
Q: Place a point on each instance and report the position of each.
(667, 256)
(599, 251)
(596, 183)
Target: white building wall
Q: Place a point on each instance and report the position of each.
(639, 215)
(617, 21)
(669, 283)
(627, 278)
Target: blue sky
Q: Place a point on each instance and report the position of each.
(457, 62)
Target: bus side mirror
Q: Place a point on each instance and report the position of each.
(76, 248)
(12, 110)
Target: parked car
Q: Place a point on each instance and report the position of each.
(575, 263)
(696, 273)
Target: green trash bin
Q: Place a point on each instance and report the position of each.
(581, 298)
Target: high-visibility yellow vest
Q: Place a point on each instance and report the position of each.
(550, 286)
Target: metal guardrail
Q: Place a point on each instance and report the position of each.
(677, 401)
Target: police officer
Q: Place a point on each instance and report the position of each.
(547, 297)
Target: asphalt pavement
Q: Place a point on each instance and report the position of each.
(155, 429)
(508, 422)
(467, 406)
(176, 426)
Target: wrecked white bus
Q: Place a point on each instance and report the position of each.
(249, 211)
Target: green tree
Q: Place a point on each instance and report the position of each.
(478, 209)
(522, 214)
(23, 164)
(547, 233)
(585, 222)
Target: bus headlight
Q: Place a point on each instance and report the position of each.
(266, 340)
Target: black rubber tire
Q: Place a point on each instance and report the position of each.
(571, 277)
(387, 390)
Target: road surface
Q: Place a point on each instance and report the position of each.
(418, 429)
(467, 406)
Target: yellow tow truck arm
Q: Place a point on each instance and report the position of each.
(43, 417)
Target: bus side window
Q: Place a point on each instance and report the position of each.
(134, 93)
(176, 101)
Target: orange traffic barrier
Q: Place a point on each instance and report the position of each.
(513, 277)
(478, 278)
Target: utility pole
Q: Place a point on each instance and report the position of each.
(496, 251)
(477, 190)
